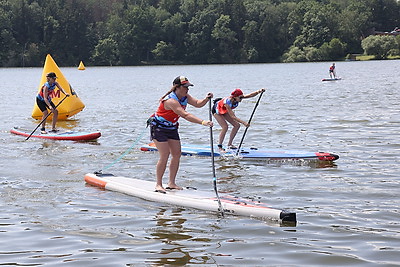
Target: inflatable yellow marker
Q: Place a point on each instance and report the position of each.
(81, 66)
(70, 106)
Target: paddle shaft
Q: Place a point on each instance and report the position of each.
(45, 118)
(213, 161)
(251, 117)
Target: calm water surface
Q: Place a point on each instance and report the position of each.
(348, 212)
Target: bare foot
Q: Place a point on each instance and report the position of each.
(174, 186)
(160, 189)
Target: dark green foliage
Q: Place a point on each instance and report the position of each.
(380, 46)
(134, 32)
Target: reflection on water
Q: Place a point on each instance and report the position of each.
(170, 230)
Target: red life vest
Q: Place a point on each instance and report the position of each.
(167, 117)
(221, 109)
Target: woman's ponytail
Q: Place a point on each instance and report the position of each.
(173, 88)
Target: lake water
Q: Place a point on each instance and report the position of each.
(348, 212)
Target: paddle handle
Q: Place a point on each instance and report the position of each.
(45, 118)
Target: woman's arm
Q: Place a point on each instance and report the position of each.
(232, 114)
(199, 103)
(62, 90)
(254, 93)
(177, 108)
(46, 96)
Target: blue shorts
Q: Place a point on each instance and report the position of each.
(162, 135)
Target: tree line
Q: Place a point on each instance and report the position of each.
(134, 32)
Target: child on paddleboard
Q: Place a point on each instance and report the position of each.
(43, 100)
(164, 128)
(223, 113)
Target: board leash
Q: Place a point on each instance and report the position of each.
(123, 154)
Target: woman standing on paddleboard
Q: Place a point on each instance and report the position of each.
(43, 100)
(164, 128)
(223, 113)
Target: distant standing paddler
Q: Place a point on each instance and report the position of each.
(332, 71)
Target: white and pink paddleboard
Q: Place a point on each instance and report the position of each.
(190, 197)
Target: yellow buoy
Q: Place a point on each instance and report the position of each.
(72, 104)
(81, 66)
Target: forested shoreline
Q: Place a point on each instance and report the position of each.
(136, 32)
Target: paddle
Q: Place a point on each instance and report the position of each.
(251, 117)
(213, 163)
(45, 118)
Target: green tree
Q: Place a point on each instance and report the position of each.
(266, 29)
(132, 32)
(163, 51)
(7, 40)
(74, 41)
(294, 54)
(379, 46)
(314, 54)
(385, 14)
(396, 51)
(199, 46)
(173, 29)
(106, 52)
(333, 50)
(226, 39)
(354, 23)
(171, 6)
(251, 37)
(136, 31)
(273, 30)
(31, 55)
(318, 24)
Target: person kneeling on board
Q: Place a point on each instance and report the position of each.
(223, 113)
(164, 128)
(43, 100)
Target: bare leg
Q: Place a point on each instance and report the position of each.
(222, 122)
(175, 150)
(55, 117)
(45, 113)
(235, 128)
(163, 151)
